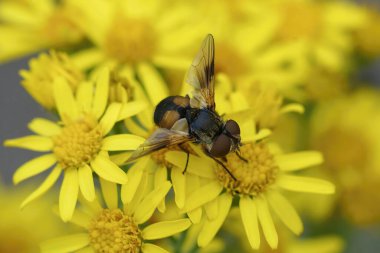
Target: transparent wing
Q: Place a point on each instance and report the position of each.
(201, 76)
(161, 138)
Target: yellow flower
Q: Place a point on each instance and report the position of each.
(262, 103)
(322, 28)
(38, 81)
(351, 123)
(258, 186)
(29, 26)
(111, 228)
(289, 242)
(367, 39)
(133, 32)
(78, 146)
(18, 233)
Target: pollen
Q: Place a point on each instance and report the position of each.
(130, 40)
(113, 231)
(252, 177)
(78, 143)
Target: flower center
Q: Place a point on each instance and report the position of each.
(60, 29)
(114, 231)
(78, 143)
(130, 40)
(229, 61)
(38, 80)
(252, 177)
(300, 20)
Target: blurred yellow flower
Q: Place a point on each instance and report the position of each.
(351, 123)
(38, 81)
(367, 37)
(29, 26)
(18, 233)
(112, 229)
(78, 146)
(133, 32)
(323, 28)
(257, 186)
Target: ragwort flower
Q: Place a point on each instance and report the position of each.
(78, 146)
(111, 228)
(257, 186)
(30, 26)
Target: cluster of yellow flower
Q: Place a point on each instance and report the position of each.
(111, 62)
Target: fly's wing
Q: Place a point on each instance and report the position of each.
(201, 76)
(161, 138)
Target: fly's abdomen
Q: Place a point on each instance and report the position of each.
(169, 110)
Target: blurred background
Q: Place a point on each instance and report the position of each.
(324, 55)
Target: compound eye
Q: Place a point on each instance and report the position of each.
(221, 146)
(232, 127)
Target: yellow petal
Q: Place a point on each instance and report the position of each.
(132, 108)
(86, 182)
(212, 209)
(134, 128)
(211, 227)
(110, 117)
(285, 211)
(122, 142)
(69, 194)
(293, 107)
(153, 83)
(305, 184)
(179, 187)
(266, 222)
(141, 189)
(44, 127)
(145, 209)
(87, 58)
(64, 99)
(81, 219)
(101, 93)
(151, 248)
(299, 160)
(31, 142)
(33, 167)
(198, 166)
(109, 191)
(263, 133)
(84, 96)
(88, 249)
(196, 215)
(160, 177)
(325, 244)
(108, 170)
(199, 198)
(44, 187)
(165, 229)
(249, 217)
(172, 62)
(134, 177)
(65, 244)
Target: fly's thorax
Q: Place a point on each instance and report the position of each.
(204, 124)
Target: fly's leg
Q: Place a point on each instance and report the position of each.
(187, 158)
(241, 158)
(220, 163)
